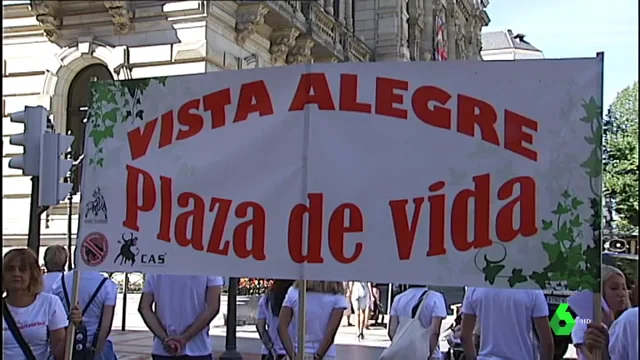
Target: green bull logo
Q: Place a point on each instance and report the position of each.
(562, 314)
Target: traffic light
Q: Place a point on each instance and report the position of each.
(34, 119)
(53, 168)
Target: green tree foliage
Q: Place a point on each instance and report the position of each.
(621, 157)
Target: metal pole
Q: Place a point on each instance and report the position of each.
(33, 240)
(125, 292)
(69, 228)
(230, 347)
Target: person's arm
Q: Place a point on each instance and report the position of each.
(468, 324)
(540, 317)
(371, 294)
(438, 313)
(596, 339)
(393, 319)
(57, 328)
(105, 327)
(286, 315)
(108, 310)
(434, 333)
(577, 335)
(466, 336)
(145, 308)
(206, 317)
(340, 305)
(393, 326)
(57, 340)
(261, 324)
(545, 336)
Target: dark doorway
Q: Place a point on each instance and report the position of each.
(77, 106)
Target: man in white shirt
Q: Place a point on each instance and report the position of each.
(55, 259)
(506, 318)
(184, 309)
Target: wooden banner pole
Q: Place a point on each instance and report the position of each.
(68, 349)
(302, 318)
(597, 297)
(302, 288)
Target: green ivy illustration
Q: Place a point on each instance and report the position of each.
(113, 103)
(568, 260)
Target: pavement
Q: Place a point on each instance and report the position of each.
(133, 342)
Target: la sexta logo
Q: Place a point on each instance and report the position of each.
(96, 209)
(129, 252)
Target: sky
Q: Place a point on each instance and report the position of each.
(577, 28)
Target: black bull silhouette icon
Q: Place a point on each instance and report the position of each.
(126, 254)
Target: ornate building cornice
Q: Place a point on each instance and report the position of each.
(121, 14)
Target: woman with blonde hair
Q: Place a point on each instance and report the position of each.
(615, 302)
(325, 306)
(41, 317)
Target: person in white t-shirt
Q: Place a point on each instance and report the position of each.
(324, 308)
(361, 297)
(39, 317)
(433, 312)
(623, 335)
(507, 317)
(268, 319)
(184, 309)
(55, 259)
(616, 301)
(99, 313)
(618, 343)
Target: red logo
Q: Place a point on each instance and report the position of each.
(94, 249)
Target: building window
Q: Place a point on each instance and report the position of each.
(336, 8)
(77, 106)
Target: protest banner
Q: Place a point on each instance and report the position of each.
(445, 173)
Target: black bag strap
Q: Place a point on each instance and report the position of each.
(94, 342)
(17, 335)
(415, 308)
(66, 294)
(91, 299)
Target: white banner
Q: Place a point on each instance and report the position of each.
(443, 173)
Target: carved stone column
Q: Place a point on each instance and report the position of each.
(48, 15)
(301, 51)
(428, 30)
(281, 42)
(470, 38)
(451, 29)
(328, 6)
(476, 35)
(121, 14)
(248, 16)
(348, 14)
(461, 41)
(414, 10)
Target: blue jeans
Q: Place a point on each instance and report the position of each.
(108, 353)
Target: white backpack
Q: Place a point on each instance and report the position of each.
(411, 340)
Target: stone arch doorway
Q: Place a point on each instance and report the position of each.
(77, 105)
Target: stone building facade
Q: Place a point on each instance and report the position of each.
(53, 49)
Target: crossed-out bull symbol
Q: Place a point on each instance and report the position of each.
(126, 254)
